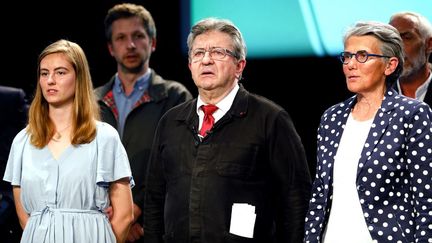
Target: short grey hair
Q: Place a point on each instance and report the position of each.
(423, 25)
(391, 42)
(221, 25)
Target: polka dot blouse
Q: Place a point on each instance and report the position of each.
(394, 174)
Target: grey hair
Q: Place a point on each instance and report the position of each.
(221, 25)
(391, 42)
(423, 25)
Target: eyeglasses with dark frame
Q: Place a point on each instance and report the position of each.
(216, 53)
(361, 56)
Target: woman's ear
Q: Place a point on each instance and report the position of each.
(391, 65)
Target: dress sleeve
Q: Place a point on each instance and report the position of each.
(112, 161)
(14, 163)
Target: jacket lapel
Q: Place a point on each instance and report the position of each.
(379, 126)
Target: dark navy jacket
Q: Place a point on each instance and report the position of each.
(394, 174)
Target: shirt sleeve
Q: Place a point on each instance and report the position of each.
(14, 164)
(112, 161)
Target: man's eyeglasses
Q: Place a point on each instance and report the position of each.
(361, 56)
(216, 53)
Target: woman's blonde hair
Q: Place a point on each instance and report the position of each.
(86, 109)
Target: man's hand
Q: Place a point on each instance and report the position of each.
(136, 231)
(109, 212)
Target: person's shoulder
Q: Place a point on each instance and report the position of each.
(398, 101)
(339, 108)
(11, 93)
(175, 86)
(21, 136)
(172, 83)
(180, 111)
(169, 84)
(105, 130)
(104, 126)
(182, 108)
(100, 91)
(175, 91)
(9, 89)
(13, 102)
(401, 99)
(264, 102)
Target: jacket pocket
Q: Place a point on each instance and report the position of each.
(234, 170)
(237, 161)
(173, 162)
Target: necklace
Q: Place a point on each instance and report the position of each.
(58, 134)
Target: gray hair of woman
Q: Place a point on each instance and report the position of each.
(391, 42)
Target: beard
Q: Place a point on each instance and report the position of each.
(415, 64)
(132, 69)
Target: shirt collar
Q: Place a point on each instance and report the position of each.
(422, 89)
(224, 105)
(140, 84)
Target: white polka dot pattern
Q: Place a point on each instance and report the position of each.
(393, 176)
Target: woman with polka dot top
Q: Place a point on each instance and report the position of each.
(374, 151)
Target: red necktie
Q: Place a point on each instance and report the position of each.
(208, 118)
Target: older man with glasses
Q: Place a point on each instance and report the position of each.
(229, 165)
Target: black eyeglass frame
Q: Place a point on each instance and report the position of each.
(344, 60)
